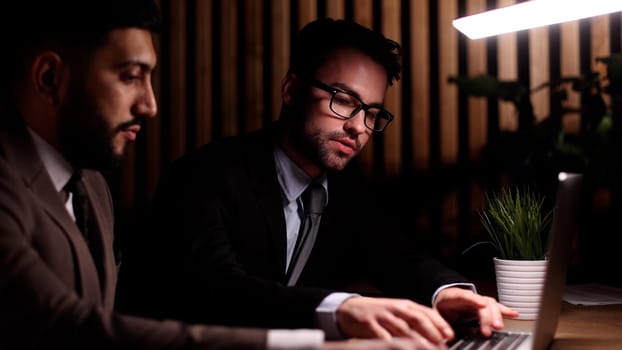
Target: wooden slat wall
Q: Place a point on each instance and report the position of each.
(222, 61)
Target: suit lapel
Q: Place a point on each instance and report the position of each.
(103, 222)
(264, 182)
(21, 153)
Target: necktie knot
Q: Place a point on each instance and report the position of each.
(314, 198)
(80, 202)
(76, 186)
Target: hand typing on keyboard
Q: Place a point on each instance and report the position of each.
(459, 304)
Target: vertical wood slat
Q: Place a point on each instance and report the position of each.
(153, 131)
(363, 10)
(203, 73)
(280, 49)
(420, 77)
(600, 47)
(508, 70)
(448, 44)
(570, 66)
(476, 65)
(177, 79)
(152, 157)
(392, 135)
(539, 72)
(335, 9)
(253, 67)
(229, 59)
(307, 12)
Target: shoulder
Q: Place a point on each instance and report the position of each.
(16, 205)
(227, 152)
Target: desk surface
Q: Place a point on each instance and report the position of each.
(589, 327)
(579, 327)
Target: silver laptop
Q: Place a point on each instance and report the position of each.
(563, 230)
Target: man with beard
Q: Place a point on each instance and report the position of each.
(78, 89)
(225, 227)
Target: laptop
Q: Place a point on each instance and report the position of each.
(563, 231)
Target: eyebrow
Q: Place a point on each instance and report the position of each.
(142, 64)
(349, 90)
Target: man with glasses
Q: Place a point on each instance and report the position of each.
(249, 250)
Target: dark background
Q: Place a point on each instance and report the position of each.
(220, 69)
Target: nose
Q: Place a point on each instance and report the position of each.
(147, 105)
(356, 124)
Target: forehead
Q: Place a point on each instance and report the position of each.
(352, 69)
(128, 45)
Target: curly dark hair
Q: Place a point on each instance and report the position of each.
(316, 40)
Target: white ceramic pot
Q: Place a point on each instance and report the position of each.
(519, 285)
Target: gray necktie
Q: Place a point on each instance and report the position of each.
(313, 199)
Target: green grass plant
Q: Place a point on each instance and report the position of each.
(516, 224)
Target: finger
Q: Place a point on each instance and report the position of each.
(487, 319)
(508, 312)
(428, 323)
(396, 326)
(379, 331)
(492, 315)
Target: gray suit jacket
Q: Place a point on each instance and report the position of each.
(50, 292)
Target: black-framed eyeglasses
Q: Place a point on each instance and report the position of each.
(346, 105)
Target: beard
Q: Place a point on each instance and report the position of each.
(314, 145)
(85, 137)
(325, 154)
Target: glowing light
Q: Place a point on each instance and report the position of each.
(532, 14)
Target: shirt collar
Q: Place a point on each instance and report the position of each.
(56, 165)
(292, 179)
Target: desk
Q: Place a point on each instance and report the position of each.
(583, 328)
(579, 327)
(589, 327)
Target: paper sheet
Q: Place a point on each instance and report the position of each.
(592, 294)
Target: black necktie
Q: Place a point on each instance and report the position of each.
(313, 199)
(84, 218)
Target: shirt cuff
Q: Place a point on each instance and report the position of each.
(326, 314)
(470, 286)
(295, 339)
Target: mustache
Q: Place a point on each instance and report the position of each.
(135, 121)
(345, 135)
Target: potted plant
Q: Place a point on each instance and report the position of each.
(517, 224)
(541, 147)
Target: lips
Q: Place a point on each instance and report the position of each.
(346, 146)
(131, 131)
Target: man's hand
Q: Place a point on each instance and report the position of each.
(363, 317)
(462, 304)
(419, 343)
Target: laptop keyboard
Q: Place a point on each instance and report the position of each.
(498, 340)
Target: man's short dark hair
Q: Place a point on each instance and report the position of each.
(78, 26)
(36, 21)
(320, 38)
(34, 24)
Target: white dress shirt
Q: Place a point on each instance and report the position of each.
(294, 181)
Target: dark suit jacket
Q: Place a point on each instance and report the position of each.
(50, 293)
(219, 209)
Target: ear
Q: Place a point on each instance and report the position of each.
(47, 76)
(290, 89)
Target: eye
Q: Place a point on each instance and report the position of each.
(345, 100)
(129, 78)
(372, 114)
